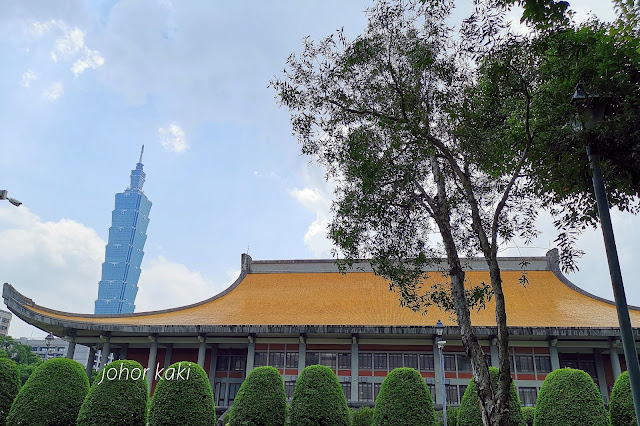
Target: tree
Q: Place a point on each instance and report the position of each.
(261, 399)
(383, 113)
(404, 400)
(22, 354)
(621, 409)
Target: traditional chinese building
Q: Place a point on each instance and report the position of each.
(292, 313)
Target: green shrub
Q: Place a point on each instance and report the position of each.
(470, 412)
(183, 397)
(362, 416)
(528, 413)
(117, 401)
(52, 395)
(621, 409)
(569, 397)
(261, 399)
(9, 386)
(318, 399)
(404, 400)
(452, 417)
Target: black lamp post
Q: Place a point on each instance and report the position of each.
(48, 340)
(594, 108)
(441, 343)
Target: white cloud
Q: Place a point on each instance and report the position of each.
(164, 284)
(54, 91)
(92, 59)
(69, 45)
(58, 265)
(319, 202)
(55, 263)
(27, 77)
(173, 139)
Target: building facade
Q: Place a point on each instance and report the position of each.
(5, 322)
(294, 313)
(57, 349)
(118, 287)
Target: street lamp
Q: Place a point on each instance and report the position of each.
(48, 340)
(3, 196)
(441, 343)
(594, 107)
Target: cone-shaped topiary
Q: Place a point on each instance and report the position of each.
(621, 409)
(470, 412)
(118, 397)
(318, 399)
(363, 416)
(569, 397)
(261, 400)
(9, 386)
(528, 413)
(52, 395)
(182, 397)
(404, 400)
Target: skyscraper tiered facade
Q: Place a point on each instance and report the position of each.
(118, 287)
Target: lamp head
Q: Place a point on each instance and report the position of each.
(439, 328)
(49, 339)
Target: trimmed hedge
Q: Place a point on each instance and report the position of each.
(569, 397)
(528, 413)
(470, 412)
(117, 401)
(52, 395)
(404, 400)
(362, 416)
(261, 400)
(621, 409)
(452, 417)
(9, 386)
(183, 396)
(318, 399)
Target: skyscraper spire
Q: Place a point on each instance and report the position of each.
(118, 287)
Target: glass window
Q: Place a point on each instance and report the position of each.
(376, 390)
(432, 390)
(395, 361)
(292, 359)
(222, 363)
(233, 391)
(452, 394)
(365, 361)
(260, 359)
(463, 363)
(449, 362)
(221, 389)
(312, 358)
(524, 363)
(588, 367)
(426, 362)
(289, 388)
(543, 363)
(344, 361)
(463, 389)
(346, 388)
(328, 359)
(411, 360)
(528, 396)
(276, 359)
(379, 361)
(237, 363)
(365, 391)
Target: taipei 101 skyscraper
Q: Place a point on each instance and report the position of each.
(121, 268)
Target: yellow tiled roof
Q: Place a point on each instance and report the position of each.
(361, 298)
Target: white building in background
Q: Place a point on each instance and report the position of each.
(58, 349)
(5, 321)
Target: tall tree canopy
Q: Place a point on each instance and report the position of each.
(446, 145)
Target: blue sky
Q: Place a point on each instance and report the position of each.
(85, 84)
